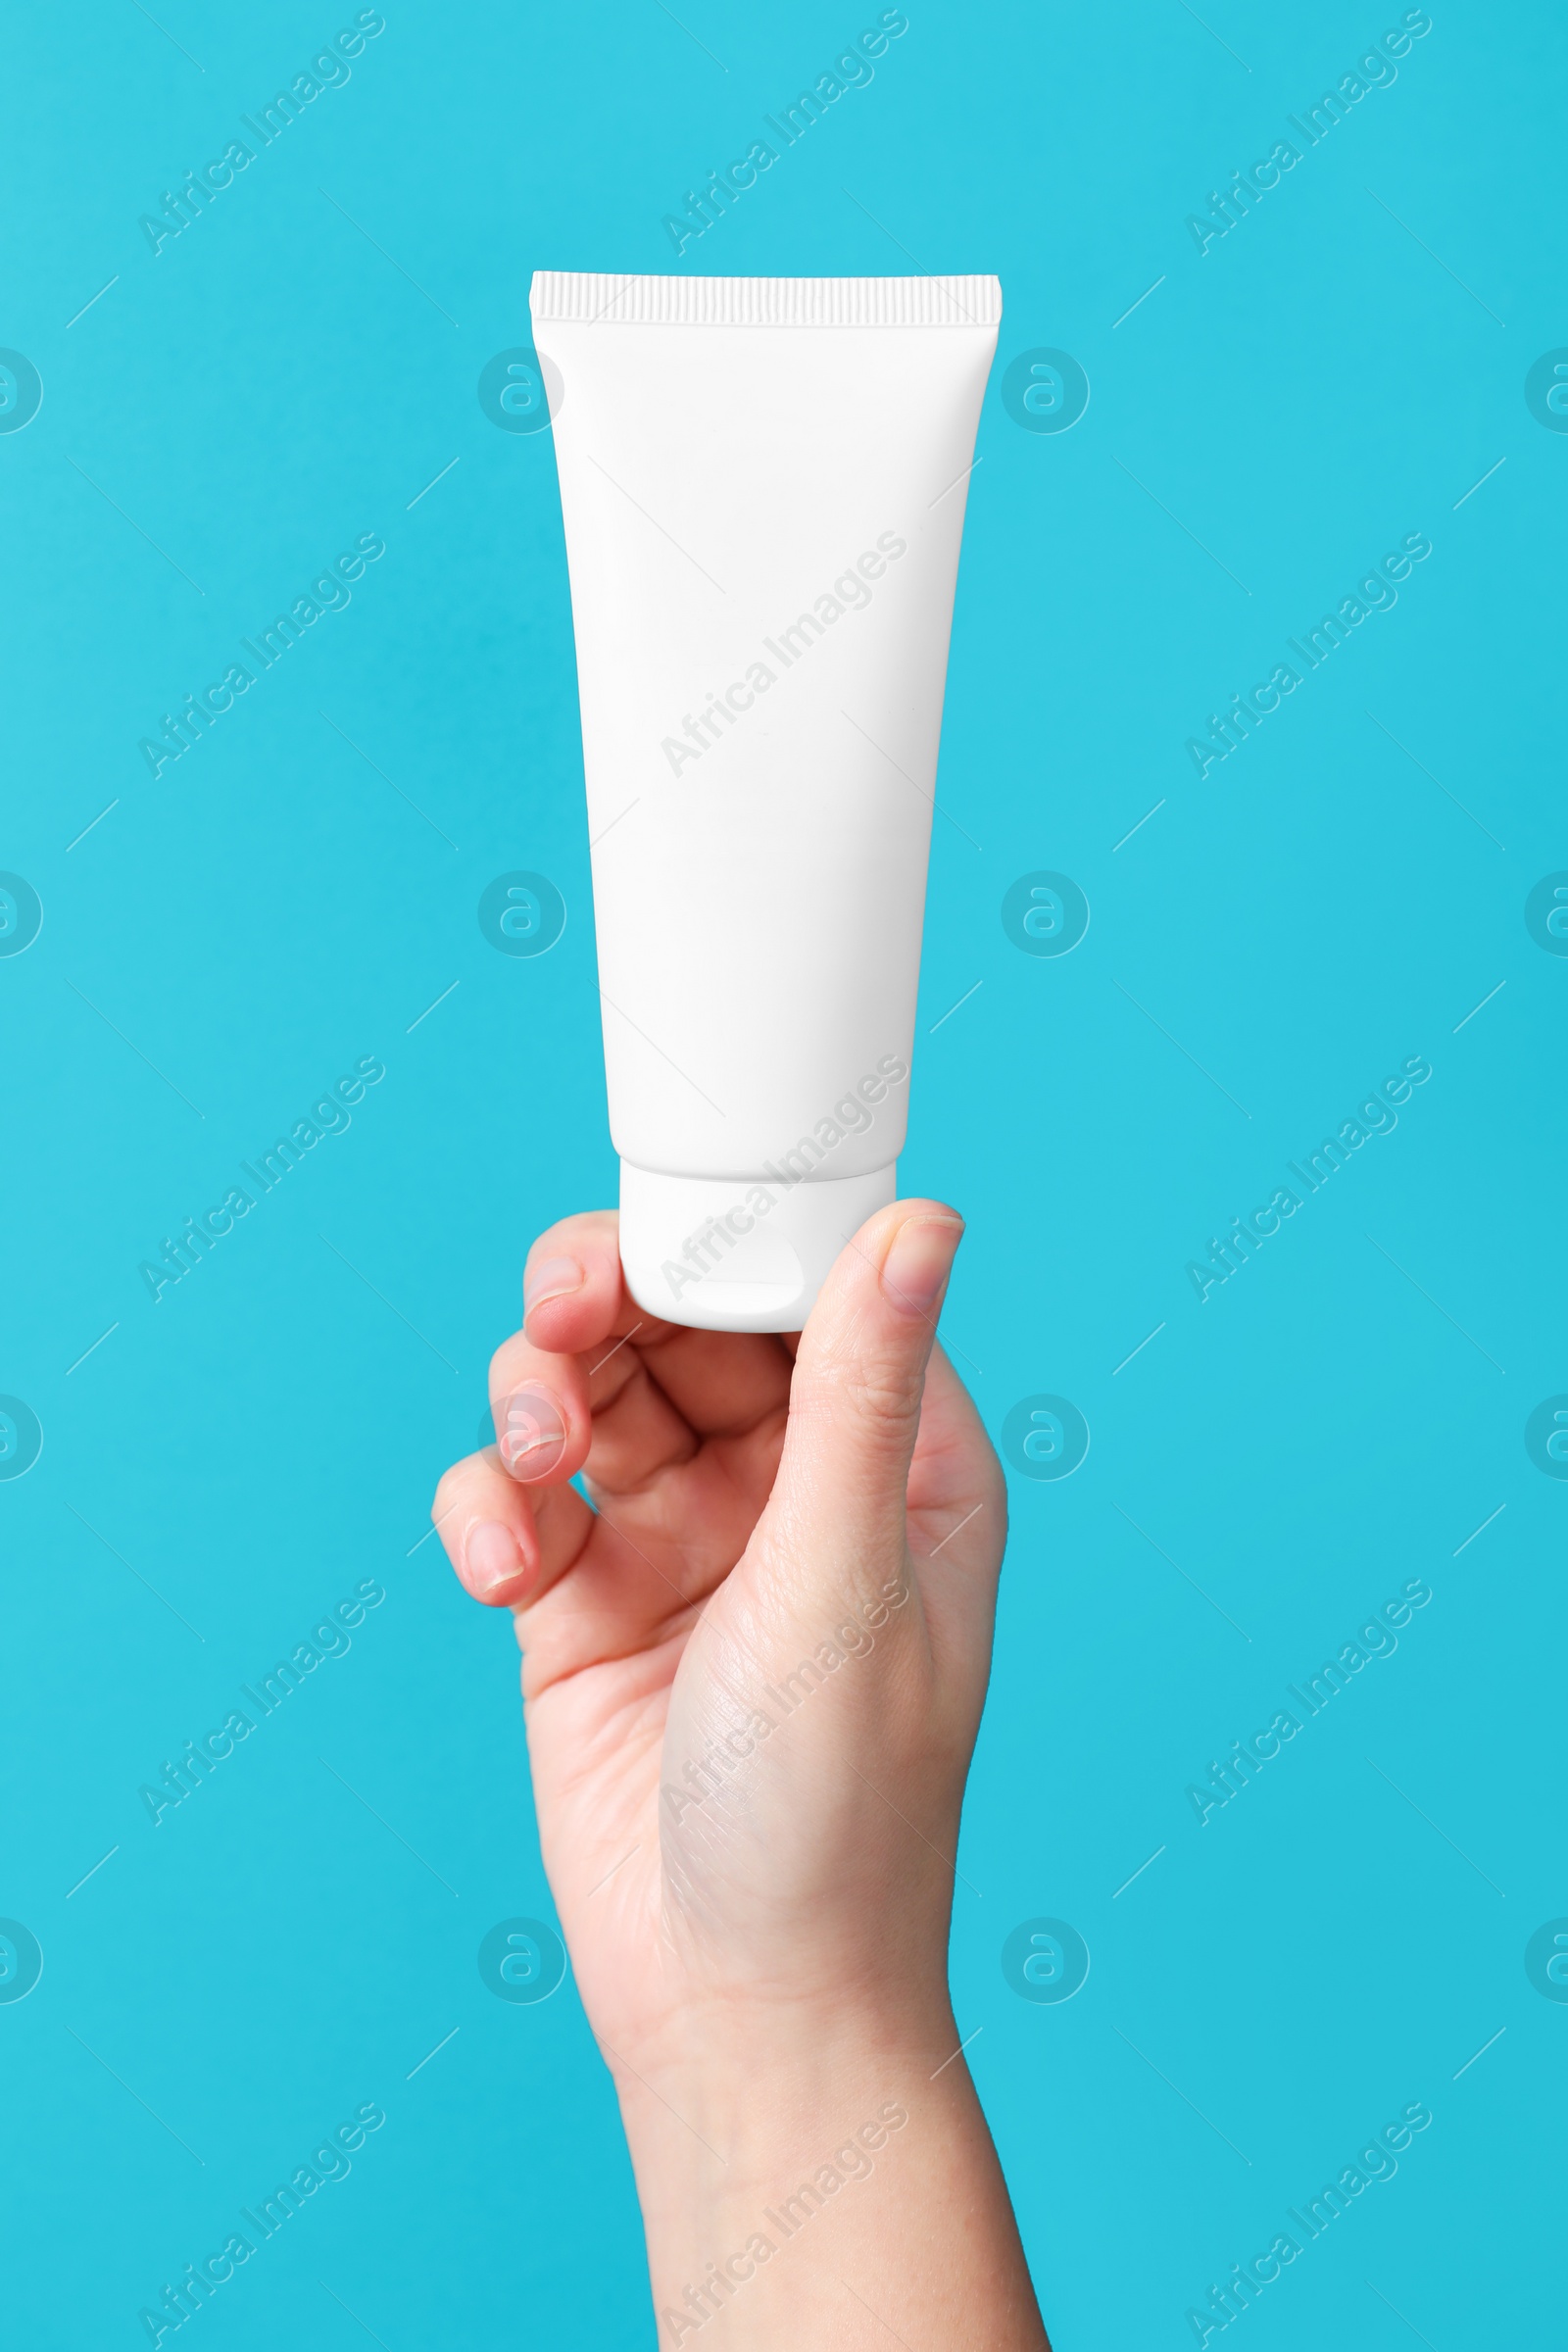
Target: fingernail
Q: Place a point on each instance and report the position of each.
(491, 1557)
(919, 1262)
(554, 1278)
(533, 1434)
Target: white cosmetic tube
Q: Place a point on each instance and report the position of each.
(764, 484)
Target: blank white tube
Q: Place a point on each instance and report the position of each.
(764, 484)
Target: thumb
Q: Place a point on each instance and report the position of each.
(855, 1400)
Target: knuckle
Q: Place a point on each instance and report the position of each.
(879, 1397)
(449, 1491)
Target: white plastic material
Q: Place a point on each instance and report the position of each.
(764, 484)
(728, 1257)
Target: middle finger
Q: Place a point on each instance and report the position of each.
(558, 1414)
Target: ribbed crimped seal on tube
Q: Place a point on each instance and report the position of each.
(595, 298)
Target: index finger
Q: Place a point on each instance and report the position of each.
(575, 1294)
(576, 1303)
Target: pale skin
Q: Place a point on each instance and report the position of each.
(753, 1676)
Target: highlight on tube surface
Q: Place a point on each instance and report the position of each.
(764, 484)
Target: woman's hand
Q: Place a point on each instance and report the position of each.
(753, 1673)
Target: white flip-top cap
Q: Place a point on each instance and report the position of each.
(738, 1252)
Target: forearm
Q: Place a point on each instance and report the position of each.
(801, 2182)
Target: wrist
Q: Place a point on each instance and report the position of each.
(734, 2089)
(783, 2158)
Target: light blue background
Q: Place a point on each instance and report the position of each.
(229, 1985)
